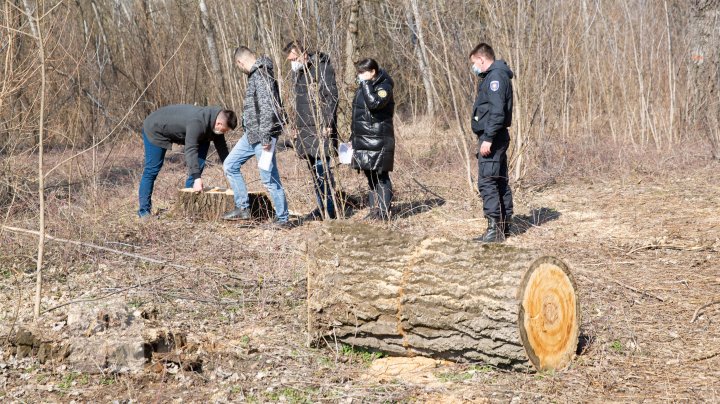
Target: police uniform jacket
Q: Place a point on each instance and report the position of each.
(492, 111)
(316, 100)
(373, 134)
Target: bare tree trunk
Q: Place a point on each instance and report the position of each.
(30, 13)
(345, 114)
(41, 176)
(422, 58)
(461, 133)
(103, 35)
(671, 78)
(705, 71)
(519, 103)
(212, 48)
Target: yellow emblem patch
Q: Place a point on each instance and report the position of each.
(382, 93)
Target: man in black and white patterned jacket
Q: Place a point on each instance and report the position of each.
(262, 123)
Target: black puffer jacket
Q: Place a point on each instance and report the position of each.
(373, 135)
(316, 100)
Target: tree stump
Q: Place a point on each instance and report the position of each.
(212, 203)
(449, 299)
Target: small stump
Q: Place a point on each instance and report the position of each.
(212, 203)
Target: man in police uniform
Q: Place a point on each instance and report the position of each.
(492, 116)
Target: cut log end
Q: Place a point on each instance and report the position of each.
(549, 314)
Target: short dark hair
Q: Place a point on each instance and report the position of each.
(366, 65)
(483, 49)
(294, 45)
(241, 51)
(230, 118)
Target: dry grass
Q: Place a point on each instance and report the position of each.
(641, 233)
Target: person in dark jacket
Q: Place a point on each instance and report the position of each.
(492, 116)
(373, 134)
(262, 124)
(194, 127)
(316, 101)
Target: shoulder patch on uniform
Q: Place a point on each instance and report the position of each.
(382, 93)
(494, 85)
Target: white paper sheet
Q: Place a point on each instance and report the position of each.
(345, 153)
(265, 160)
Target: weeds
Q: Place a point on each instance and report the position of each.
(292, 395)
(465, 375)
(360, 355)
(71, 379)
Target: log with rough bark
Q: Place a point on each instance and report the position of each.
(452, 299)
(212, 203)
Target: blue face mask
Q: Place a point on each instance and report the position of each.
(476, 70)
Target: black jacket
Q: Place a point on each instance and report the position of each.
(188, 125)
(492, 111)
(316, 101)
(373, 135)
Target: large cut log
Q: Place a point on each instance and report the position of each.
(213, 202)
(452, 299)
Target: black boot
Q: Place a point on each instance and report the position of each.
(507, 225)
(385, 196)
(493, 234)
(374, 213)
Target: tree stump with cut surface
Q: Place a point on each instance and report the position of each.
(450, 299)
(212, 203)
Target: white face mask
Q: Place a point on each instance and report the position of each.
(217, 132)
(295, 65)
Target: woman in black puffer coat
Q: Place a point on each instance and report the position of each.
(373, 135)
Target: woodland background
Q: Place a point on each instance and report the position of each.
(602, 73)
(616, 142)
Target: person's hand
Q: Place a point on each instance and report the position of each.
(327, 131)
(485, 148)
(267, 147)
(198, 185)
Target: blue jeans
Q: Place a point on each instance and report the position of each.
(154, 159)
(242, 152)
(324, 184)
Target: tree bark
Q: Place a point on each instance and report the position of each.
(449, 299)
(421, 54)
(212, 48)
(351, 36)
(704, 72)
(41, 173)
(212, 203)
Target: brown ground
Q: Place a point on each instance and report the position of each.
(643, 243)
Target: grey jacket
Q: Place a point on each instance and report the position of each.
(187, 125)
(263, 115)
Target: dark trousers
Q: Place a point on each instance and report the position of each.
(324, 185)
(154, 159)
(493, 183)
(381, 191)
